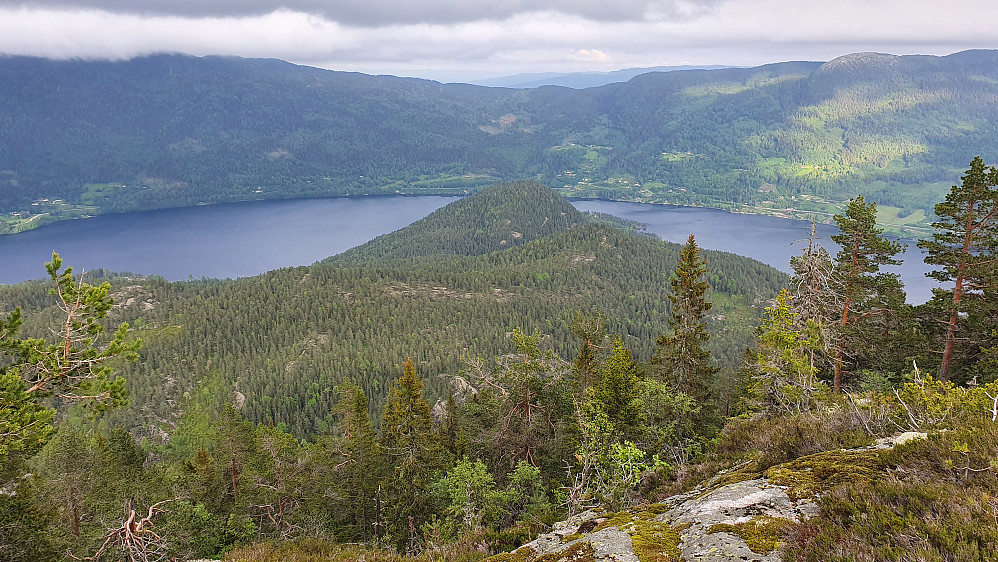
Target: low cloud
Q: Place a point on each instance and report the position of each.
(735, 32)
(592, 55)
(376, 13)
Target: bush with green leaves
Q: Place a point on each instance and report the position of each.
(928, 404)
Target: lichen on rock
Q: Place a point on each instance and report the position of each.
(738, 516)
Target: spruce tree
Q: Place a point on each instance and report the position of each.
(814, 300)
(362, 463)
(682, 358)
(591, 329)
(412, 449)
(963, 246)
(450, 433)
(862, 289)
(616, 392)
(784, 377)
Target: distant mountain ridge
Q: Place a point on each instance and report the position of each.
(797, 139)
(581, 79)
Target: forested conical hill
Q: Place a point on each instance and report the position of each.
(172, 130)
(497, 218)
(284, 340)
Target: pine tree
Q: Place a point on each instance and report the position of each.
(280, 476)
(527, 402)
(76, 366)
(863, 290)
(682, 358)
(964, 246)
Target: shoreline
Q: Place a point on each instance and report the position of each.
(903, 232)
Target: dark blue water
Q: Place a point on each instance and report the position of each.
(242, 239)
(770, 240)
(231, 240)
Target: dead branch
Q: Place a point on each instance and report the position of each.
(135, 537)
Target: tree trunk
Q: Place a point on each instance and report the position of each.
(957, 295)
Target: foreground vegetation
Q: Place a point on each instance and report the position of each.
(541, 428)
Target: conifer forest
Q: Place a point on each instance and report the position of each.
(451, 390)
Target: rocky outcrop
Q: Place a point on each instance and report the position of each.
(740, 521)
(463, 391)
(739, 516)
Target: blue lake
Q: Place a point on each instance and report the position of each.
(230, 240)
(770, 240)
(243, 239)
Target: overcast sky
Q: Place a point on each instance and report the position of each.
(453, 39)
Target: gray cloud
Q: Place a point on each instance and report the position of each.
(374, 13)
(738, 32)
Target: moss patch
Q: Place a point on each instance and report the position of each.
(521, 554)
(762, 534)
(748, 472)
(655, 542)
(579, 552)
(815, 474)
(627, 517)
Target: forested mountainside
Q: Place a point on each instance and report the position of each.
(579, 374)
(497, 218)
(86, 137)
(284, 340)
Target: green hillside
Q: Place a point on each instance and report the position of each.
(266, 417)
(88, 137)
(285, 339)
(496, 218)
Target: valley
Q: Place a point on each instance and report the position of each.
(269, 414)
(329, 316)
(793, 139)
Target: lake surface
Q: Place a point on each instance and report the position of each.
(229, 240)
(770, 240)
(242, 239)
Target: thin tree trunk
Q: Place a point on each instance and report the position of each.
(957, 295)
(840, 349)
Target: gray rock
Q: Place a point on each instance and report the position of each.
(732, 504)
(610, 544)
(909, 436)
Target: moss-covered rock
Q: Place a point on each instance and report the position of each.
(577, 552)
(739, 515)
(656, 541)
(762, 534)
(812, 475)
